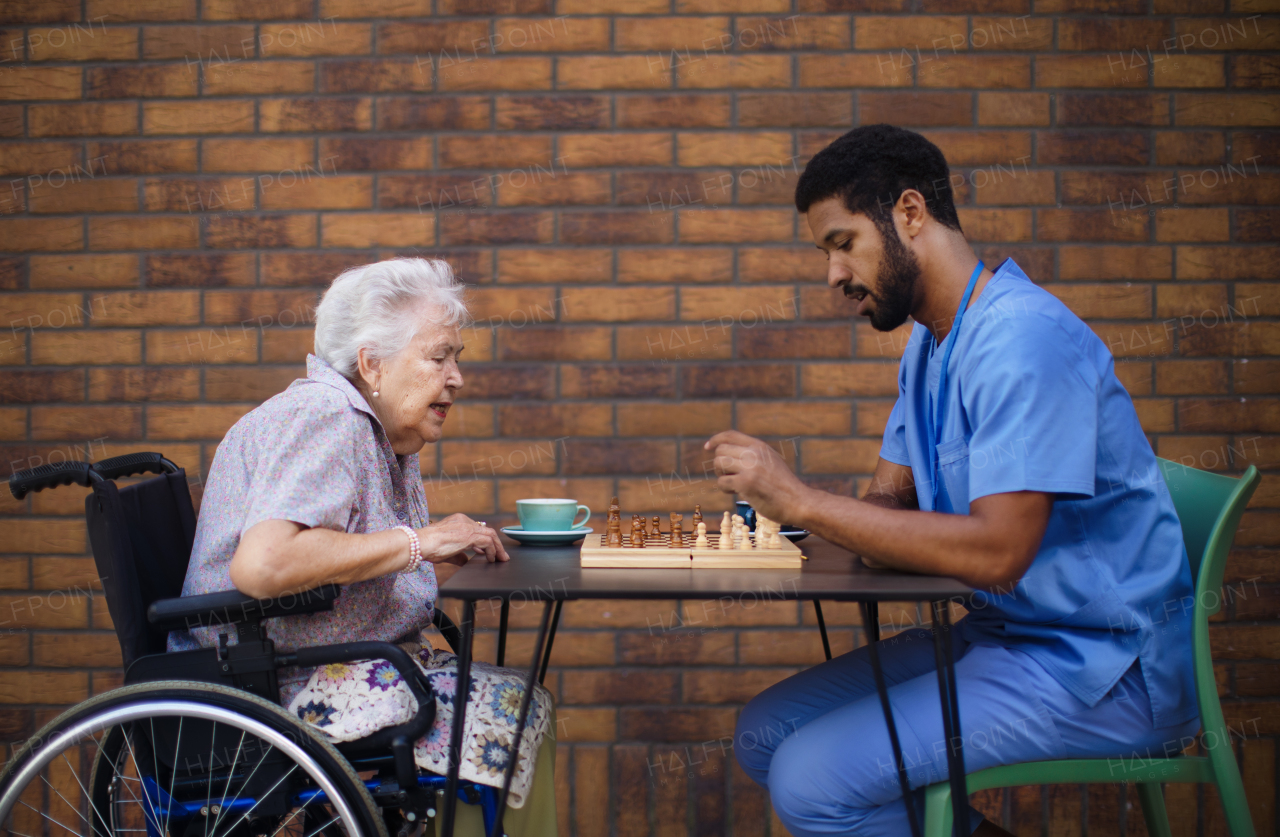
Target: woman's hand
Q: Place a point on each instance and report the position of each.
(451, 540)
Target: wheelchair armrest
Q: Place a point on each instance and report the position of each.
(232, 606)
(413, 677)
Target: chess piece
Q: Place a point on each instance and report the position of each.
(633, 541)
(697, 514)
(775, 539)
(701, 542)
(677, 530)
(637, 531)
(655, 532)
(726, 532)
(613, 531)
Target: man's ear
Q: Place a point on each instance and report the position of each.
(369, 367)
(912, 210)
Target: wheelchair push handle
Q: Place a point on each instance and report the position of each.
(129, 464)
(52, 475)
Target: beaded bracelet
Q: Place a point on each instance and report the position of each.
(415, 550)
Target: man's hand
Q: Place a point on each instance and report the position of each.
(751, 468)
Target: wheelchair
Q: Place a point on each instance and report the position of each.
(196, 744)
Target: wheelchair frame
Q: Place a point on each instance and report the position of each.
(142, 557)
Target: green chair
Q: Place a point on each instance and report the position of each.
(1209, 507)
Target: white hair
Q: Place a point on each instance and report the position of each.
(381, 306)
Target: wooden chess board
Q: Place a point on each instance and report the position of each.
(596, 555)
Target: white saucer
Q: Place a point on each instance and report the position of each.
(562, 537)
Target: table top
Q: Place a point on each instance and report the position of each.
(542, 573)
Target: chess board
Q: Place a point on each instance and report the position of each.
(667, 556)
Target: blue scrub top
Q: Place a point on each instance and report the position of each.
(1033, 404)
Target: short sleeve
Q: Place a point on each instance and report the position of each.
(303, 470)
(894, 445)
(1030, 397)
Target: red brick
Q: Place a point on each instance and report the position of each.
(83, 271)
(678, 35)
(639, 72)
(662, 344)
(56, 423)
(683, 265)
(594, 150)
(554, 343)
(1121, 148)
(496, 228)
(554, 266)
(615, 227)
(221, 116)
(287, 39)
(270, 155)
(617, 381)
(917, 109)
(259, 77)
(430, 113)
(382, 75)
(685, 110)
(616, 305)
(497, 152)
(703, 71)
(743, 149)
(685, 418)
(85, 346)
(373, 229)
(314, 114)
(83, 119)
(144, 384)
(486, 73)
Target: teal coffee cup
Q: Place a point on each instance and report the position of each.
(550, 515)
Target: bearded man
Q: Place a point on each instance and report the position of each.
(1014, 462)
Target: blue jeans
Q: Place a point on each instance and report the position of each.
(817, 741)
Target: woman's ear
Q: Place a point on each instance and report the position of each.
(369, 367)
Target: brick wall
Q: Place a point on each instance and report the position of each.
(182, 177)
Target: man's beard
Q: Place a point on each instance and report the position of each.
(895, 282)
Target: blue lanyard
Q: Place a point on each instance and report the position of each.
(942, 380)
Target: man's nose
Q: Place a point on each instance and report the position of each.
(837, 274)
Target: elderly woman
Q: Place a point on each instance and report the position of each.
(321, 484)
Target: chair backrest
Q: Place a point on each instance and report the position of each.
(141, 537)
(1209, 508)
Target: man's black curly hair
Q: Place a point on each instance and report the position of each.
(871, 166)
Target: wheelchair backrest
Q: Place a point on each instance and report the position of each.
(141, 537)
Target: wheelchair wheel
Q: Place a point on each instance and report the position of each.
(182, 759)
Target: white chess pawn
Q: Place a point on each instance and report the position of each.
(775, 539)
(701, 542)
(726, 533)
(740, 538)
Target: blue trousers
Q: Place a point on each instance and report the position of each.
(817, 741)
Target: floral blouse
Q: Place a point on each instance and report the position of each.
(317, 455)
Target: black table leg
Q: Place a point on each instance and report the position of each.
(872, 627)
(870, 616)
(546, 654)
(503, 618)
(523, 718)
(467, 629)
(822, 627)
(944, 653)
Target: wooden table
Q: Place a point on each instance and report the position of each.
(552, 575)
